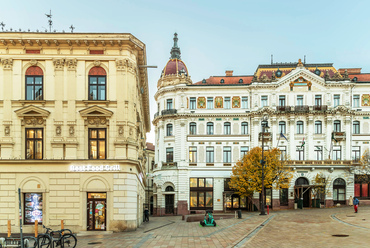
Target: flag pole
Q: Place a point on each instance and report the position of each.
(277, 145)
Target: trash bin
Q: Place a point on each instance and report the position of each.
(239, 214)
(317, 203)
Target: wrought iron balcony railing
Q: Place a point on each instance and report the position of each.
(284, 108)
(169, 111)
(301, 109)
(321, 108)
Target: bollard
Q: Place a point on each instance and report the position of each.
(268, 210)
(62, 225)
(36, 228)
(9, 228)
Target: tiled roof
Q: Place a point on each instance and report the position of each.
(174, 66)
(228, 80)
(150, 146)
(364, 77)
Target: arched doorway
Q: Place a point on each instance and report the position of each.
(169, 200)
(339, 191)
(302, 192)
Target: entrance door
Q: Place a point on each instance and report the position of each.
(96, 211)
(169, 200)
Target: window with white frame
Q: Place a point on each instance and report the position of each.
(169, 155)
(209, 102)
(192, 128)
(243, 151)
(356, 101)
(244, 102)
(227, 128)
(227, 103)
(193, 103)
(318, 127)
(281, 101)
(337, 152)
(169, 104)
(318, 153)
(318, 100)
(264, 101)
(299, 155)
(356, 127)
(227, 154)
(356, 153)
(337, 126)
(299, 100)
(169, 129)
(210, 128)
(336, 100)
(299, 127)
(210, 154)
(282, 127)
(244, 127)
(192, 154)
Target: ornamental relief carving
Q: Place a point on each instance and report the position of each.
(33, 62)
(58, 130)
(33, 121)
(123, 64)
(7, 130)
(96, 121)
(71, 64)
(7, 64)
(58, 64)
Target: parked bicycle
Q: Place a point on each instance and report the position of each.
(63, 238)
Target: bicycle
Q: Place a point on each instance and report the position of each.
(63, 238)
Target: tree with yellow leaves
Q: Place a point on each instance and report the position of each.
(246, 175)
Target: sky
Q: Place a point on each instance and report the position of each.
(215, 36)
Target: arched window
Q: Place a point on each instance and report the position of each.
(356, 127)
(318, 127)
(299, 127)
(210, 128)
(339, 191)
(244, 127)
(34, 83)
(282, 127)
(337, 126)
(192, 128)
(169, 130)
(169, 189)
(301, 181)
(97, 84)
(227, 128)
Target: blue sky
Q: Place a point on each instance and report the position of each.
(215, 36)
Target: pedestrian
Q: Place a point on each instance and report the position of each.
(355, 204)
(350, 201)
(146, 215)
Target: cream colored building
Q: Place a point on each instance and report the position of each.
(74, 109)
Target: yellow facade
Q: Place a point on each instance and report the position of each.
(68, 114)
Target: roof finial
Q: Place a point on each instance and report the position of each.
(272, 59)
(175, 51)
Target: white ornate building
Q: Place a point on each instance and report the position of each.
(204, 128)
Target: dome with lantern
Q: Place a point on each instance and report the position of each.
(175, 68)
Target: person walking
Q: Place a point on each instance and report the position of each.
(146, 215)
(355, 204)
(350, 201)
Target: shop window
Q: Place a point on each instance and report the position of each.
(97, 143)
(34, 83)
(33, 206)
(339, 191)
(34, 143)
(201, 193)
(362, 186)
(97, 84)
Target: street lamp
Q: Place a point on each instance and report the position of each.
(264, 125)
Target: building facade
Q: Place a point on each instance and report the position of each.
(204, 128)
(75, 113)
(149, 153)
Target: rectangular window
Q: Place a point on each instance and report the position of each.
(264, 101)
(192, 154)
(97, 86)
(318, 100)
(34, 143)
(244, 127)
(356, 101)
(227, 128)
(33, 208)
(227, 103)
(209, 102)
(318, 152)
(336, 100)
(169, 104)
(34, 86)
(356, 127)
(201, 193)
(193, 103)
(227, 154)
(281, 101)
(283, 155)
(356, 153)
(300, 127)
(210, 154)
(210, 128)
(243, 151)
(337, 153)
(97, 143)
(282, 127)
(318, 127)
(244, 102)
(300, 100)
(169, 155)
(299, 153)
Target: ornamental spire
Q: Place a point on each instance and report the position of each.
(175, 51)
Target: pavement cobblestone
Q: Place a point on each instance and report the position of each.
(288, 228)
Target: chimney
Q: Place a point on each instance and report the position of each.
(229, 73)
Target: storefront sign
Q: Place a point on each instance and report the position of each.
(86, 168)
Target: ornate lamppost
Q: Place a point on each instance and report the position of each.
(264, 125)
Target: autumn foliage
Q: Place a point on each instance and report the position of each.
(246, 175)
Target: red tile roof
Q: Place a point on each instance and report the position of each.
(174, 66)
(150, 146)
(234, 80)
(364, 77)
